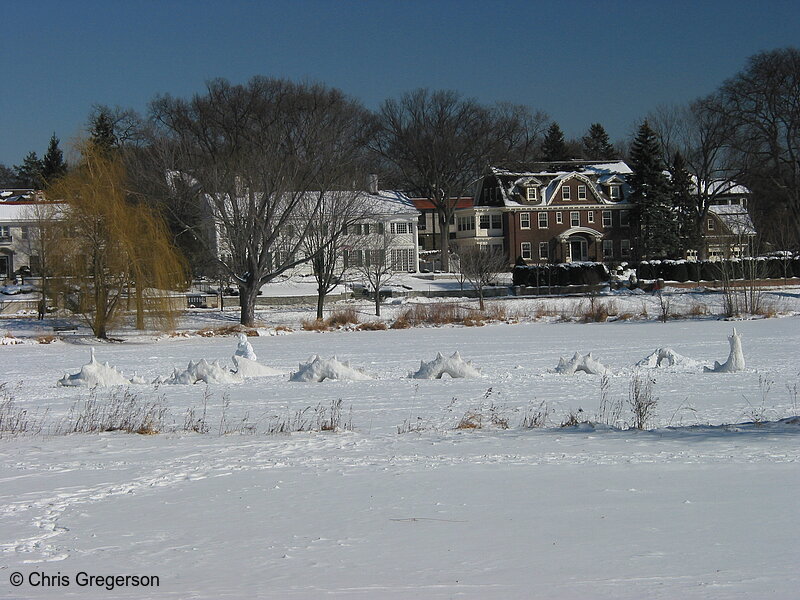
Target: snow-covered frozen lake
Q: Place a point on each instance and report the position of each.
(688, 510)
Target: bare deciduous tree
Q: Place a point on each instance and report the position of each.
(763, 105)
(440, 143)
(699, 133)
(253, 155)
(481, 266)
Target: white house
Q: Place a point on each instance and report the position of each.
(18, 218)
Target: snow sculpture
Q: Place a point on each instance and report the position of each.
(246, 367)
(735, 360)
(454, 365)
(245, 348)
(319, 369)
(201, 370)
(579, 362)
(666, 357)
(94, 374)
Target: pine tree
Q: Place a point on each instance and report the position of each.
(596, 145)
(553, 146)
(29, 173)
(101, 132)
(8, 179)
(684, 205)
(656, 232)
(53, 165)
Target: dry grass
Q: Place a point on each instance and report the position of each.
(313, 418)
(227, 330)
(46, 339)
(120, 411)
(476, 320)
(285, 328)
(472, 419)
(315, 325)
(698, 309)
(596, 311)
(373, 326)
(535, 417)
(340, 318)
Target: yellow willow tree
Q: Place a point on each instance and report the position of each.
(114, 247)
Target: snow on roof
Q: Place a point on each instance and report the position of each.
(735, 217)
(426, 204)
(388, 202)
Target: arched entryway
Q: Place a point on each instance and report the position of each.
(579, 244)
(578, 248)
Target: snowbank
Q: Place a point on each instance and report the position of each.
(320, 369)
(201, 370)
(455, 366)
(246, 367)
(579, 362)
(735, 360)
(245, 349)
(666, 357)
(96, 374)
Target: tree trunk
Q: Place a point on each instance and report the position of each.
(481, 305)
(444, 241)
(378, 301)
(247, 301)
(139, 307)
(320, 303)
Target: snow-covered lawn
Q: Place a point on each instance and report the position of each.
(687, 510)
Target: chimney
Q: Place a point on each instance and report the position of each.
(372, 183)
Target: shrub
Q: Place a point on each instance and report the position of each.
(315, 325)
(535, 417)
(120, 411)
(641, 400)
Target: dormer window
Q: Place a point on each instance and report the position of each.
(613, 192)
(581, 192)
(531, 194)
(565, 192)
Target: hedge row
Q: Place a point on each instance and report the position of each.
(706, 270)
(561, 274)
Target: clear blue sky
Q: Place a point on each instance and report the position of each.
(580, 61)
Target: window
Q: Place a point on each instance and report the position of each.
(531, 194)
(484, 221)
(355, 229)
(525, 250)
(422, 222)
(624, 218)
(565, 192)
(378, 228)
(543, 220)
(352, 258)
(24, 233)
(402, 260)
(524, 220)
(625, 248)
(606, 218)
(453, 220)
(590, 216)
(399, 228)
(365, 229)
(608, 248)
(581, 192)
(559, 218)
(5, 231)
(466, 223)
(497, 222)
(544, 250)
(613, 192)
(711, 224)
(575, 218)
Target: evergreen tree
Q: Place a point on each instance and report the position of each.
(29, 173)
(8, 179)
(53, 165)
(684, 205)
(651, 194)
(596, 145)
(101, 131)
(553, 146)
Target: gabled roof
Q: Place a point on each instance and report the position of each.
(735, 217)
(388, 203)
(591, 173)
